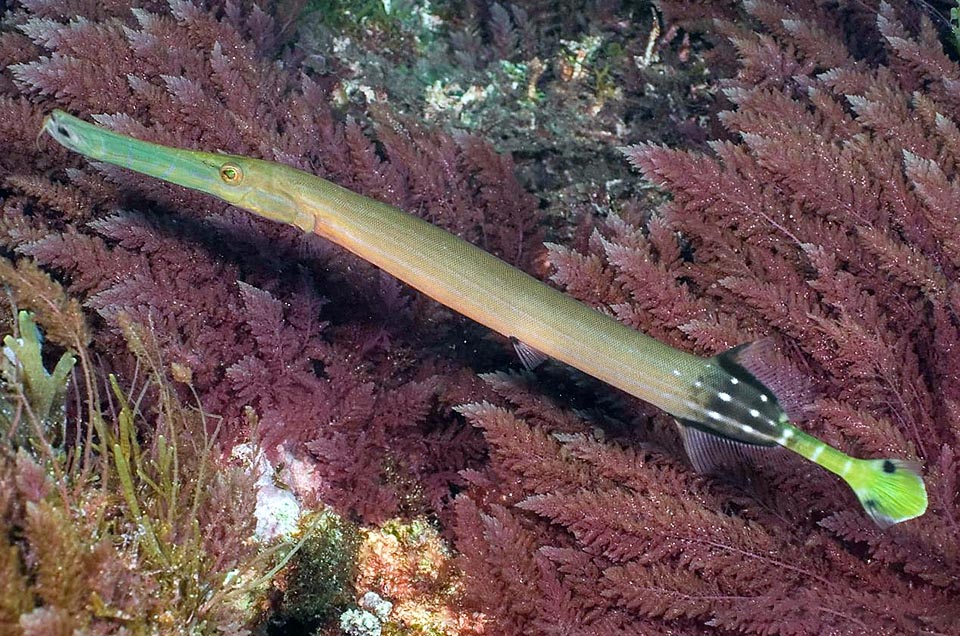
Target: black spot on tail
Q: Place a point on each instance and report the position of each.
(888, 466)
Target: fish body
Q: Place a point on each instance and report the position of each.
(722, 408)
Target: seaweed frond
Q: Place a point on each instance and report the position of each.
(39, 394)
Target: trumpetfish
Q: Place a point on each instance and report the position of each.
(722, 408)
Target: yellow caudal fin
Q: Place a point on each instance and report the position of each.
(890, 490)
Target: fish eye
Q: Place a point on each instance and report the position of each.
(231, 174)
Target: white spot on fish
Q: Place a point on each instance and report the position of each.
(754, 413)
(734, 381)
(816, 453)
(698, 384)
(847, 465)
(713, 415)
(676, 372)
(724, 396)
(764, 398)
(784, 436)
(747, 429)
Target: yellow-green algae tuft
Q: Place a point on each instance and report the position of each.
(117, 515)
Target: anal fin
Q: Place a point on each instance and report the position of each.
(710, 453)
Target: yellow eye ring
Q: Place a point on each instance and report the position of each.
(231, 173)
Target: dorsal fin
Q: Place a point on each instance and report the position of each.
(764, 364)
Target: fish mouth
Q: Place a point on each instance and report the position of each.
(53, 126)
(77, 135)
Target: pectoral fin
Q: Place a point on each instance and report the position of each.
(530, 357)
